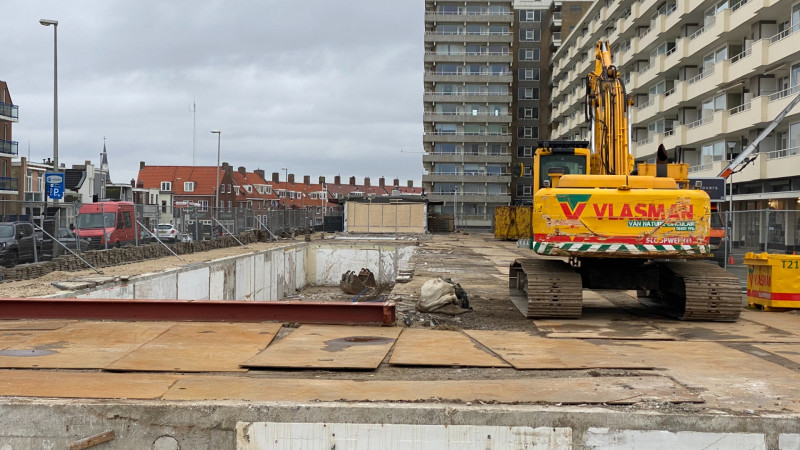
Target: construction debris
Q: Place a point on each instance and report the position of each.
(442, 295)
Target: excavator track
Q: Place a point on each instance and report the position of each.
(545, 288)
(694, 290)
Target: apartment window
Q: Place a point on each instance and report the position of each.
(530, 15)
(524, 151)
(528, 112)
(203, 205)
(531, 74)
(166, 185)
(530, 35)
(529, 93)
(794, 137)
(528, 132)
(230, 205)
(188, 186)
(529, 54)
(712, 152)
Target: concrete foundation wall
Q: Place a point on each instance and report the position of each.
(265, 275)
(37, 423)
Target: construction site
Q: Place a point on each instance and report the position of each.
(259, 347)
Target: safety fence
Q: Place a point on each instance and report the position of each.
(764, 230)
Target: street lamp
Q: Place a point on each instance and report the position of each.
(729, 225)
(285, 194)
(54, 23)
(216, 191)
(455, 208)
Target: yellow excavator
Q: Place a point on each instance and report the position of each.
(617, 226)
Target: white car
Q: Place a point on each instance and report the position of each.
(167, 232)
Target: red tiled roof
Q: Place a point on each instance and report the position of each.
(204, 177)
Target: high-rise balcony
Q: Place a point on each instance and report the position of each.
(9, 147)
(490, 37)
(555, 20)
(9, 112)
(8, 184)
(463, 16)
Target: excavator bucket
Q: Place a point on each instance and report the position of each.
(355, 284)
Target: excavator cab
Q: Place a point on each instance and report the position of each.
(571, 157)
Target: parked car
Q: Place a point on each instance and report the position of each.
(168, 232)
(110, 224)
(70, 240)
(17, 243)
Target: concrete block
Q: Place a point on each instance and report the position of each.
(605, 438)
(259, 278)
(124, 292)
(324, 436)
(787, 441)
(216, 283)
(243, 287)
(158, 286)
(193, 284)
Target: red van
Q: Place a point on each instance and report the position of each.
(112, 222)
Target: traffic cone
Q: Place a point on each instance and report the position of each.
(730, 262)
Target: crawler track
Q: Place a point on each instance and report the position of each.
(545, 288)
(695, 290)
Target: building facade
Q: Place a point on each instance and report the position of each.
(708, 77)
(9, 185)
(467, 107)
(486, 100)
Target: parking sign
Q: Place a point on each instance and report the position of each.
(55, 185)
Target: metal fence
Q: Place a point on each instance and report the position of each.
(764, 230)
(194, 222)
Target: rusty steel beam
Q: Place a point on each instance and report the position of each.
(199, 310)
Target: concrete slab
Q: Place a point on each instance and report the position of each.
(81, 345)
(37, 383)
(601, 319)
(328, 347)
(325, 436)
(526, 351)
(727, 377)
(420, 347)
(41, 324)
(648, 439)
(788, 351)
(594, 390)
(200, 347)
(788, 321)
(741, 331)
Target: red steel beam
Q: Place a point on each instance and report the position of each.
(198, 310)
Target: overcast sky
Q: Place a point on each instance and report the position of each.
(319, 87)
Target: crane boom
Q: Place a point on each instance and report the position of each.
(727, 171)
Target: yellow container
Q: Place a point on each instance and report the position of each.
(773, 281)
(512, 222)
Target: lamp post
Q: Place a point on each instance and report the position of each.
(54, 23)
(455, 208)
(216, 191)
(285, 194)
(729, 225)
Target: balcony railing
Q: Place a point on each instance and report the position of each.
(470, 13)
(9, 110)
(469, 113)
(466, 133)
(709, 24)
(9, 147)
(465, 93)
(468, 33)
(701, 122)
(647, 103)
(470, 174)
(465, 53)
(783, 153)
(486, 73)
(784, 34)
(739, 4)
(9, 184)
(483, 153)
(744, 54)
(700, 76)
(740, 108)
(784, 93)
(701, 167)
